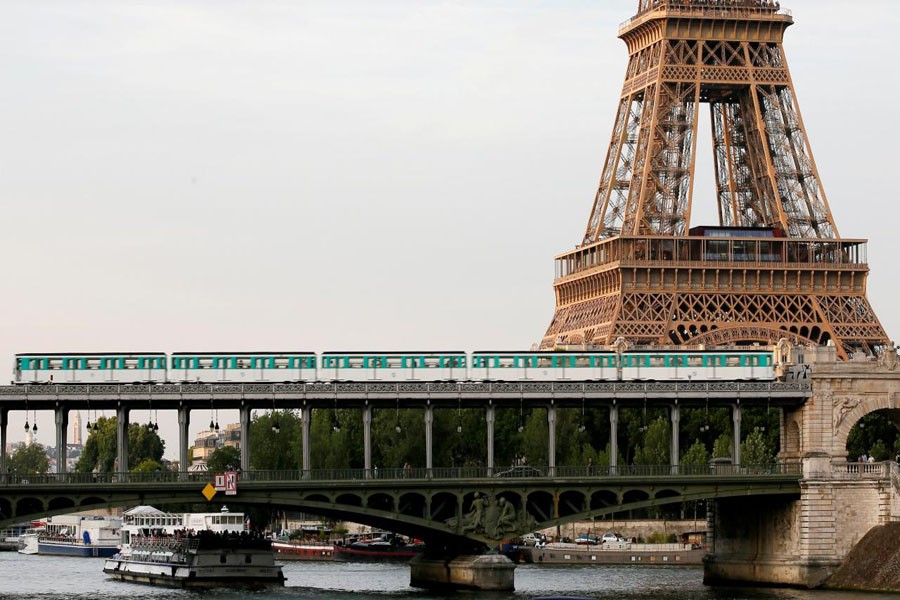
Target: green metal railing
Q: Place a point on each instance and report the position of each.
(418, 474)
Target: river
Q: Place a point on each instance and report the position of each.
(64, 578)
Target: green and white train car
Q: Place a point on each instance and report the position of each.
(634, 365)
(242, 367)
(393, 366)
(90, 367)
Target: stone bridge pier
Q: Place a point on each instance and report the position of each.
(801, 541)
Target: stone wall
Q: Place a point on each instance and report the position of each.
(802, 541)
(638, 528)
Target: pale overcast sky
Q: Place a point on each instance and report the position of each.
(348, 174)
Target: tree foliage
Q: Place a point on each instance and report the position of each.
(874, 435)
(100, 448)
(697, 455)
(224, 458)
(655, 447)
(755, 450)
(722, 447)
(272, 450)
(30, 460)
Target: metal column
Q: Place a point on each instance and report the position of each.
(122, 439)
(429, 440)
(551, 438)
(245, 438)
(736, 419)
(4, 467)
(613, 438)
(62, 423)
(367, 440)
(305, 420)
(675, 452)
(489, 417)
(184, 421)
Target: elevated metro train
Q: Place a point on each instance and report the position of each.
(289, 367)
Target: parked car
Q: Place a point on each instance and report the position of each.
(533, 539)
(587, 538)
(611, 537)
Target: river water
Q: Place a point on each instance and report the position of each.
(65, 578)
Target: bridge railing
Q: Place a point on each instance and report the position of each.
(872, 470)
(863, 470)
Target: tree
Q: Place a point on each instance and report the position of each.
(148, 466)
(30, 460)
(275, 441)
(223, 458)
(101, 447)
(655, 450)
(722, 446)
(696, 456)
(99, 452)
(754, 450)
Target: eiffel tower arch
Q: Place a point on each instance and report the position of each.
(774, 266)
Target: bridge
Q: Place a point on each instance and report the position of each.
(430, 505)
(368, 396)
(791, 524)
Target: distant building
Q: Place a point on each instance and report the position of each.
(209, 441)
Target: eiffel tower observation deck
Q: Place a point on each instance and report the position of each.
(774, 266)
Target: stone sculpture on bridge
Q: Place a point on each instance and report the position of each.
(495, 518)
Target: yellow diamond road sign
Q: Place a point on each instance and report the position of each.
(209, 491)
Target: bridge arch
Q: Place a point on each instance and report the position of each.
(603, 499)
(60, 503)
(849, 412)
(571, 502)
(412, 504)
(443, 506)
(29, 505)
(380, 502)
(754, 333)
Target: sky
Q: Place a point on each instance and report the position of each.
(345, 174)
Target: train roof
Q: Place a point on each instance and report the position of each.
(243, 353)
(396, 352)
(71, 354)
(749, 350)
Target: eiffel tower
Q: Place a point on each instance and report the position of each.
(774, 267)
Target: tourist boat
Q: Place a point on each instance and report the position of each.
(28, 542)
(286, 550)
(79, 535)
(193, 550)
(386, 547)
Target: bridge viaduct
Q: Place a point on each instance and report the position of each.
(791, 525)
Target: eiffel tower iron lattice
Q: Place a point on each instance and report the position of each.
(774, 267)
